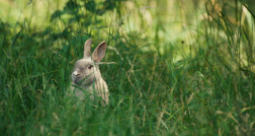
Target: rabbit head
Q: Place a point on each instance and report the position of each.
(86, 70)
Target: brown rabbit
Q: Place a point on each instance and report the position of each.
(86, 75)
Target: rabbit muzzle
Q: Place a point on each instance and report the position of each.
(76, 74)
(76, 77)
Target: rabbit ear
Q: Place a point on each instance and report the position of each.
(87, 48)
(99, 52)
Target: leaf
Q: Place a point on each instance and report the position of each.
(90, 6)
(46, 31)
(56, 14)
(70, 5)
(109, 4)
(15, 38)
(100, 12)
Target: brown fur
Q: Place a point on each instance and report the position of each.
(87, 76)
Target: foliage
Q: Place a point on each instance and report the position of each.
(183, 67)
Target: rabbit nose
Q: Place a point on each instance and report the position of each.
(76, 73)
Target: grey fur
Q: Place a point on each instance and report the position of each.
(86, 74)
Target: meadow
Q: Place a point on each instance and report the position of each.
(182, 67)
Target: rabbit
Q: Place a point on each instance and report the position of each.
(86, 75)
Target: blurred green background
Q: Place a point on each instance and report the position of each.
(184, 67)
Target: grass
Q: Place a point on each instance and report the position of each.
(183, 68)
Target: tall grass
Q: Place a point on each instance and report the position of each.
(183, 67)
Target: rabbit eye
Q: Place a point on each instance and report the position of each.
(90, 66)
